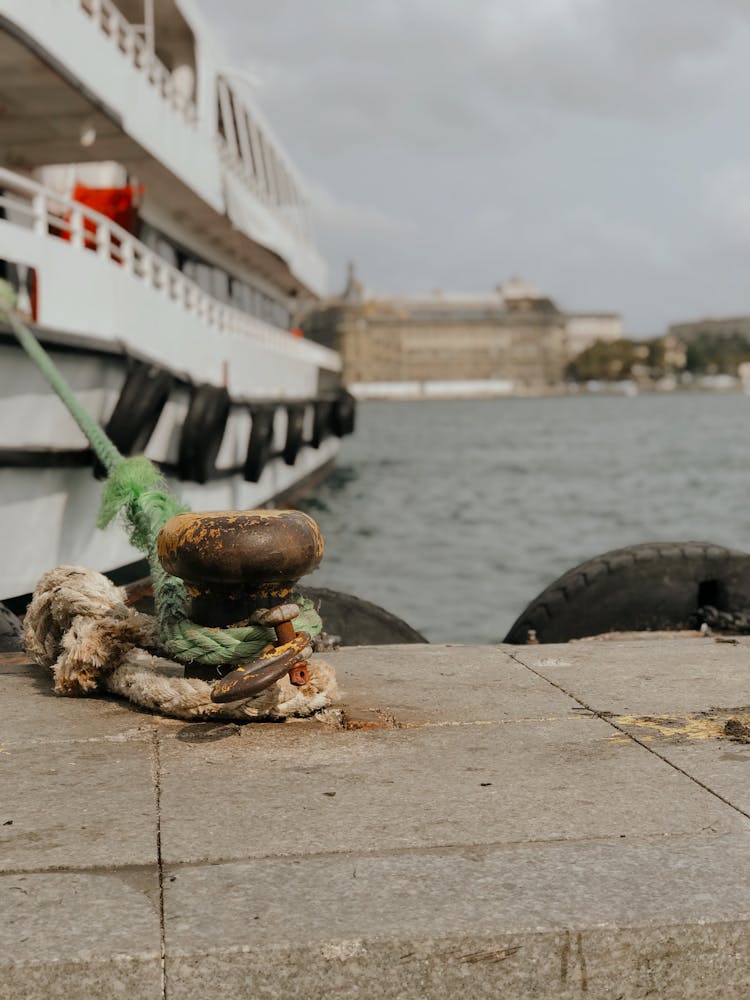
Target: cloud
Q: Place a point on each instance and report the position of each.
(452, 142)
(727, 202)
(350, 219)
(442, 55)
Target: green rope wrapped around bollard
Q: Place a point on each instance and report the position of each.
(136, 490)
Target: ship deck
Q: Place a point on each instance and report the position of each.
(548, 821)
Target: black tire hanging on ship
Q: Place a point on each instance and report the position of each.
(356, 622)
(11, 631)
(202, 433)
(142, 398)
(321, 421)
(343, 415)
(656, 585)
(260, 442)
(295, 427)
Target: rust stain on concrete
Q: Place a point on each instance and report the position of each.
(715, 724)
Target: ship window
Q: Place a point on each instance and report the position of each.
(226, 117)
(220, 119)
(284, 185)
(260, 169)
(233, 109)
(266, 163)
(243, 135)
(220, 284)
(269, 160)
(252, 164)
(274, 174)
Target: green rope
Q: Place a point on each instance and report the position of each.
(135, 489)
(105, 451)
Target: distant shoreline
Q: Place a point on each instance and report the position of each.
(604, 389)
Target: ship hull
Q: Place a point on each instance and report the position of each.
(49, 494)
(158, 238)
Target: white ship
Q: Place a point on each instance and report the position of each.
(159, 240)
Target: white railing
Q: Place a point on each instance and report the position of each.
(292, 218)
(26, 203)
(249, 152)
(128, 40)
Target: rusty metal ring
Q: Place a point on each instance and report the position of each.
(250, 679)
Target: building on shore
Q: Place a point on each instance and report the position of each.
(726, 326)
(714, 346)
(585, 329)
(512, 339)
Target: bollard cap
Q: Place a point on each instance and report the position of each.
(244, 547)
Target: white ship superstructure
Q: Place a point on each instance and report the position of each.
(159, 240)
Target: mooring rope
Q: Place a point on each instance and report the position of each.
(135, 489)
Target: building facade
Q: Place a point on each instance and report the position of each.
(513, 334)
(728, 326)
(585, 329)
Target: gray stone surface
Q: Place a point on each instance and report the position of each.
(465, 829)
(607, 919)
(77, 805)
(14, 663)
(72, 935)
(54, 718)
(394, 789)
(433, 684)
(720, 765)
(683, 962)
(641, 676)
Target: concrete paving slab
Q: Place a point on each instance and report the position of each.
(720, 765)
(33, 713)
(497, 845)
(670, 963)
(287, 790)
(77, 805)
(79, 936)
(14, 663)
(666, 919)
(436, 684)
(646, 676)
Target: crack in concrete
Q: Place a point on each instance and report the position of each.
(606, 717)
(159, 865)
(474, 848)
(128, 736)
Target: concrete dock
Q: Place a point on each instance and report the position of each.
(539, 821)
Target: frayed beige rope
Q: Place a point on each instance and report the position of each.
(79, 626)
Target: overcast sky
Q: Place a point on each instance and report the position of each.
(599, 148)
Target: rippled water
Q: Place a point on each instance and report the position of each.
(454, 514)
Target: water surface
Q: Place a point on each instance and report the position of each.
(454, 514)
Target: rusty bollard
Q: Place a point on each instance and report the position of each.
(240, 568)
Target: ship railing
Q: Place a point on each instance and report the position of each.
(293, 217)
(25, 203)
(129, 41)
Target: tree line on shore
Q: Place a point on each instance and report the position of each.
(659, 357)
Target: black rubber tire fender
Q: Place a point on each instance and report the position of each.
(11, 631)
(321, 421)
(202, 433)
(344, 414)
(142, 398)
(652, 586)
(357, 622)
(259, 443)
(295, 427)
